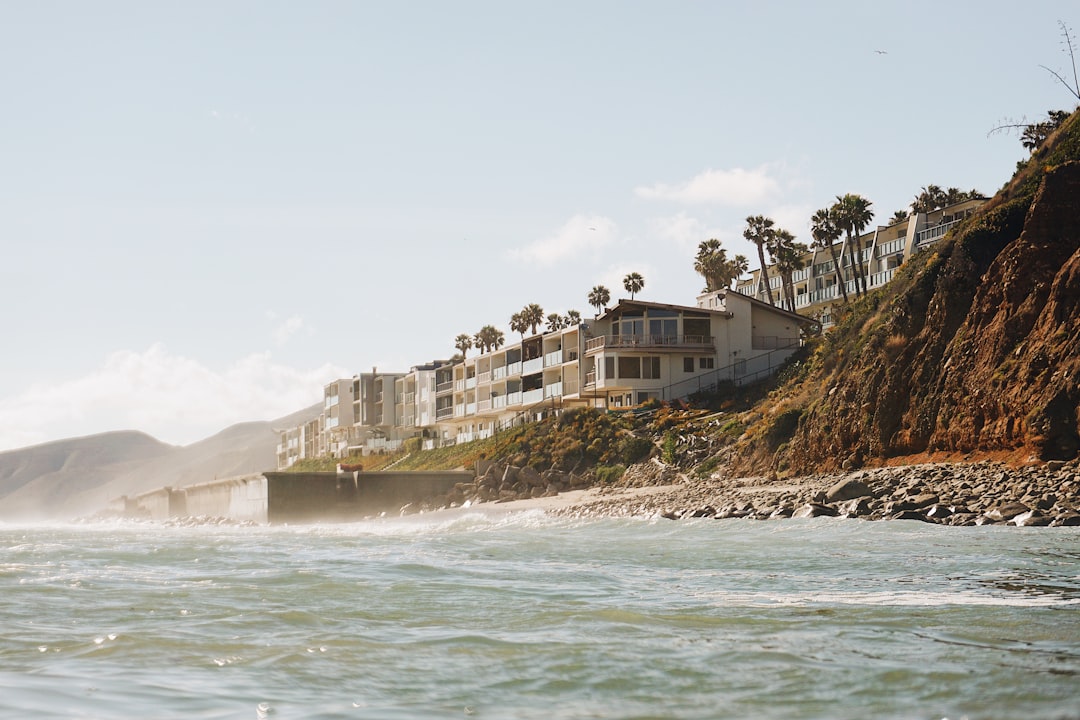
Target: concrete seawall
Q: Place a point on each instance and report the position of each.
(280, 497)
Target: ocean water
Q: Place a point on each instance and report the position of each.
(528, 616)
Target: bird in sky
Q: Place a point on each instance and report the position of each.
(881, 52)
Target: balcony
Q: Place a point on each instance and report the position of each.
(483, 406)
(513, 398)
(553, 358)
(532, 396)
(532, 366)
(773, 342)
(513, 369)
(410, 398)
(553, 390)
(498, 373)
(590, 378)
(483, 378)
(498, 402)
(470, 383)
(444, 387)
(643, 342)
(444, 413)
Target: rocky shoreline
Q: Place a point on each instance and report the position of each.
(983, 493)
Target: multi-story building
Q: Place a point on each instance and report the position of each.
(880, 253)
(633, 352)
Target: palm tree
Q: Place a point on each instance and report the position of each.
(898, 217)
(518, 324)
(852, 214)
(533, 315)
(572, 319)
(488, 338)
(712, 264)
(599, 297)
(825, 234)
(555, 321)
(633, 283)
(759, 230)
(464, 343)
(787, 256)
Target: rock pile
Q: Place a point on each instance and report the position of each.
(503, 483)
(951, 494)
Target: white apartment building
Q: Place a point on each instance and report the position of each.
(883, 250)
(633, 352)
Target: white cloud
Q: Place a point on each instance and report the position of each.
(580, 234)
(736, 187)
(174, 398)
(287, 329)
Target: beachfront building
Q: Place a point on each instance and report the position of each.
(880, 253)
(631, 353)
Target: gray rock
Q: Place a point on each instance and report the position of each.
(911, 515)
(847, 490)
(815, 510)
(1032, 518)
(856, 507)
(1007, 511)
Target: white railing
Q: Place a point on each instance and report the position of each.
(553, 358)
(532, 366)
(532, 396)
(513, 398)
(483, 405)
(553, 390)
(498, 373)
(498, 402)
(484, 377)
(513, 369)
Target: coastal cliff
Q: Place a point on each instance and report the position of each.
(973, 350)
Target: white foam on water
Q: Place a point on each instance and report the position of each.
(887, 599)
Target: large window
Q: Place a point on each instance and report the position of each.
(688, 364)
(629, 367)
(707, 363)
(650, 367)
(698, 328)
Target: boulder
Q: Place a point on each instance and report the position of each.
(1032, 518)
(815, 510)
(856, 507)
(1007, 511)
(847, 490)
(531, 477)
(911, 515)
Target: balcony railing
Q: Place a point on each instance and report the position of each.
(553, 358)
(498, 373)
(513, 398)
(444, 413)
(553, 390)
(498, 402)
(483, 406)
(532, 396)
(513, 369)
(674, 342)
(484, 377)
(590, 378)
(773, 342)
(532, 366)
(444, 387)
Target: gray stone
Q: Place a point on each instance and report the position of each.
(1032, 518)
(847, 490)
(856, 507)
(1007, 511)
(911, 515)
(815, 510)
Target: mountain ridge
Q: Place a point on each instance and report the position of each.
(78, 476)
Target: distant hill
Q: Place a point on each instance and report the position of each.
(973, 350)
(78, 476)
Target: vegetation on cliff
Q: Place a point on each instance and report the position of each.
(973, 348)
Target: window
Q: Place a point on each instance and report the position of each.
(629, 367)
(650, 367)
(609, 368)
(706, 363)
(688, 364)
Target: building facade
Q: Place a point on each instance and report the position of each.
(633, 352)
(879, 252)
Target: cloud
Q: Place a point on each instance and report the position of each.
(581, 233)
(735, 187)
(174, 398)
(287, 329)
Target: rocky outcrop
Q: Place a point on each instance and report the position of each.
(973, 349)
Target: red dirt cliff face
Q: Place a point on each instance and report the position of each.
(974, 348)
(1012, 376)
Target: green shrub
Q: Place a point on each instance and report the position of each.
(634, 449)
(607, 474)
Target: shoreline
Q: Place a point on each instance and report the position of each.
(980, 493)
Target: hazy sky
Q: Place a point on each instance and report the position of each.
(210, 209)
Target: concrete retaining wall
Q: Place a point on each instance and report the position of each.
(277, 497)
